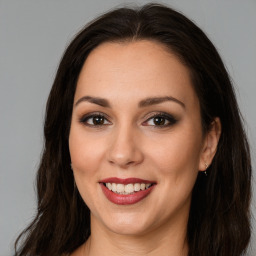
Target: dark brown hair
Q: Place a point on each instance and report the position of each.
(219, 220)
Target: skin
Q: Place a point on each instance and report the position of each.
(130, 143)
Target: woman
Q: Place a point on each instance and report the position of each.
(145, 153)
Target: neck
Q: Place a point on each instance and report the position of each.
(167, 240)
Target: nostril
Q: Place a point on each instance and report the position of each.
(124, 153)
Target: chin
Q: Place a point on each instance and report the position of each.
(127, 223)
(130, 229)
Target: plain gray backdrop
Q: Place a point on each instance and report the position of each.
(33, 36)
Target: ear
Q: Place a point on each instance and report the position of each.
(210, 144)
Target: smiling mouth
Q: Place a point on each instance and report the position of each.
(127, 189)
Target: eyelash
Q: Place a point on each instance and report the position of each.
(167, 118)
(87, 117)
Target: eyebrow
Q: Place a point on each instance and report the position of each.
(158, 100)
(99, 101)
(143, 103)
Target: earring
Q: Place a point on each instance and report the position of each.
(206, 167)
(71, 166)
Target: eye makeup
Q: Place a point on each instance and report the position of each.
(156, 120)
(160, 120)
(95, 119)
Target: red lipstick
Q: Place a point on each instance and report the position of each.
(126, 181)
(121, 199)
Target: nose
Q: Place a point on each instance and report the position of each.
(124, 150)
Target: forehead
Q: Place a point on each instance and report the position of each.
(138, 68)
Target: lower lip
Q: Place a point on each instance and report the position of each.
(125, 199)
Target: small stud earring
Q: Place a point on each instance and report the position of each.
(206, 167)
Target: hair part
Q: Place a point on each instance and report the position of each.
(219, 220)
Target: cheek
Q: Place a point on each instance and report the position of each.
(175, 160)
(85, 151)
(177, 153)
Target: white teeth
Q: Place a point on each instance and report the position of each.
(147, 186)
(120, 188)
(109, 186)
(128, 188)
(137, 187)
(113, 185)
(142, 186)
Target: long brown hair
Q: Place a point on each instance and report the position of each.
(219, 220)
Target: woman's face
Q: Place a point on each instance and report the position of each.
(136, 140)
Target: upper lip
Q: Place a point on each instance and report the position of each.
(125, 181)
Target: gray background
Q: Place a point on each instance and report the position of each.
(33, 36)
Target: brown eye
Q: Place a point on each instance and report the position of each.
(95, 120)
(159, 120)
(98, 120)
